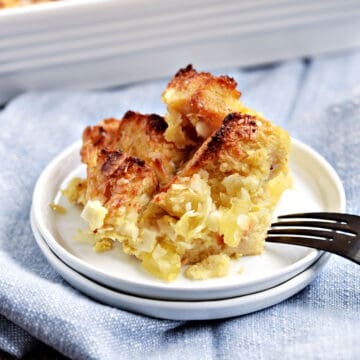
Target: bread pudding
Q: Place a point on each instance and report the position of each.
(193, 188)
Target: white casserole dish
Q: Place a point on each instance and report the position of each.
(86, 44)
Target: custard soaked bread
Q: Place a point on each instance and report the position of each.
(192, 188)
(221, 201)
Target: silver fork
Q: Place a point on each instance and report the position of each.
(333, 232)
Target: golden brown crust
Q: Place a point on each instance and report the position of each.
(117, 179)
(154, 124)
(235, 128)
(201, 81)
(143, 136)
(95, 138)
(238, 135)
(138, 135)
(202, 99)
(128, 159)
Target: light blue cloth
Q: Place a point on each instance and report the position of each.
(318, 101)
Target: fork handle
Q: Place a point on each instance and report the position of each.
(349, 252)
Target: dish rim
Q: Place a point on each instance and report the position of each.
(181, 310)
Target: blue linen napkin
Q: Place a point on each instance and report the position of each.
(317, 100)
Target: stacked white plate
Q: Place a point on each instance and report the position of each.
(254, 282)
(101, 43)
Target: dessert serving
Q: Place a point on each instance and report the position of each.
(194, 188)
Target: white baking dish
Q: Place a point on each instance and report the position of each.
(100, 43)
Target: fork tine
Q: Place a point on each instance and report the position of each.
(332, 246)
(320, 215)
(339, 235)
(302, 241)
(316, 224)
(303, 232)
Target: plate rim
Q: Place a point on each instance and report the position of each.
(181, 310)
(162, 290)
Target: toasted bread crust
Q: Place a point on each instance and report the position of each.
(235, 128)
(99, 137)
(202, 100)
(138, 135)
(117, 179)
(201, 81)
(238, 135)
(155, 124)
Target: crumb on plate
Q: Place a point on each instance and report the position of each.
(211, 267)
(103, 245)
(75, 191)
(58, 208)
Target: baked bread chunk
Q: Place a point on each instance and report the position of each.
(127, 161)
(140, 136)
(197, 103)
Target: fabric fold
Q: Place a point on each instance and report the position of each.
(317, 101)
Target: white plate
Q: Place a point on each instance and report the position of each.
(316, 188)
(182, 310)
